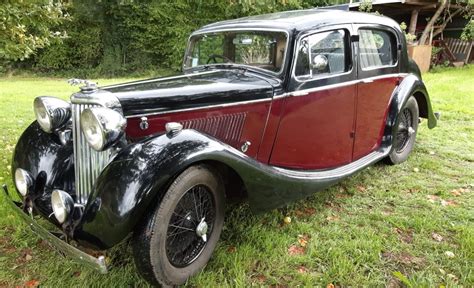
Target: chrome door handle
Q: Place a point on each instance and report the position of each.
(367, 81)
(299, 93)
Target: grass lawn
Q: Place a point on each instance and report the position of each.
(411, 224)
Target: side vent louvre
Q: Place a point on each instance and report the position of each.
(227, 128)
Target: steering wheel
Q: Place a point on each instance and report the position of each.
(214, 56)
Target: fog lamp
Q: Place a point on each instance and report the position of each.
(62, 204)
(23, 181)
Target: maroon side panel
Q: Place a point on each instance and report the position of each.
(233, 125)
(271, 129)
(316, 130)
(372, 105)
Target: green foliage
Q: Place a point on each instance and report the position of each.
(468, 31)
(114, 38)
(27, 26)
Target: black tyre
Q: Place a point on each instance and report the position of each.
(405, 132)
(178, 238)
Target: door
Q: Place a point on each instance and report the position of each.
(317, 123)
(378, 75)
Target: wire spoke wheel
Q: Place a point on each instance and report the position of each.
(405, 130)
(404, 134)
(190, 224)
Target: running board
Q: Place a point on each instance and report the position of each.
(270, 187)
(339, 172)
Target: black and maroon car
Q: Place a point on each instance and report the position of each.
(269, 108)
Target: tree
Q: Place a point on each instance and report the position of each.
(443, 16)
(27, 26)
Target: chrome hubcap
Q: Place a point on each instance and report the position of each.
(201, 230)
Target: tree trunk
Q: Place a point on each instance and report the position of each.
(429, 26)
(443, 25)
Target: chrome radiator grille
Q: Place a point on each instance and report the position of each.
(88, 163)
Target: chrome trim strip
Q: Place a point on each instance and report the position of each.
(297, 93)
(200, 108)
(353, 82)
(62, 247)
(100, 98)
(336, 173)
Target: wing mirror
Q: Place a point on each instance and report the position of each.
(320, 62)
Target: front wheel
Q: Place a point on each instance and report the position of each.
(178, 238)
(405, 132)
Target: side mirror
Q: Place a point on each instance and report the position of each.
(320, 62)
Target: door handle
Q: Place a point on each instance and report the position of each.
(367, 81)
(299, 93)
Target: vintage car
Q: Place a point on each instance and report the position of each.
(269, 108)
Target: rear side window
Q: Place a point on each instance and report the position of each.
(377, 48)
(322, 54)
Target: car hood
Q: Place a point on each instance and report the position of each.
(194, 90)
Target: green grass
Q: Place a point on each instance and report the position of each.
(373, 229)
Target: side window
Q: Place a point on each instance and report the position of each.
(323, 54)
(377, 48)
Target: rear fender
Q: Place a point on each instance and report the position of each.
(410, 85)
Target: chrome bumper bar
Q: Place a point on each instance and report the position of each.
(61, 246)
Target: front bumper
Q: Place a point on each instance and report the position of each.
(59, 245)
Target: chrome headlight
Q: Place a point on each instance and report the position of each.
(23, 181)
(102, 127)
(62, 204)
(51, 113)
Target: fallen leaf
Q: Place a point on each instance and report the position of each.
(28, 257)
(452, 276)
(436, 237)
(442, 271)
(404, 258)
(342, 196)
(459, 191)
(432, 198)
(448, 203)
(76, 274)
(302, 270)
(449, 254)
(260, 278)
(332, 218)
(405, 235)
(330, 285)
(303, 240)
(231, 249)
(295, 250)
(360, 188)
(32, 283)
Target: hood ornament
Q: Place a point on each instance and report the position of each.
(88, 87)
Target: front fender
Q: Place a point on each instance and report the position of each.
(135, 181)
(41, 153)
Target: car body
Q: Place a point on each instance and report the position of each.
(290, 103)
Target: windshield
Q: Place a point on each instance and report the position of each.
(262, 49)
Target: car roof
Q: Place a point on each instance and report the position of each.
(299, 20)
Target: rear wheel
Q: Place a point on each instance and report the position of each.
(405, 132)
(179, 237)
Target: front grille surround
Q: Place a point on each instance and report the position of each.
(88, 163)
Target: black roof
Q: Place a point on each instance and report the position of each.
(300, 20)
